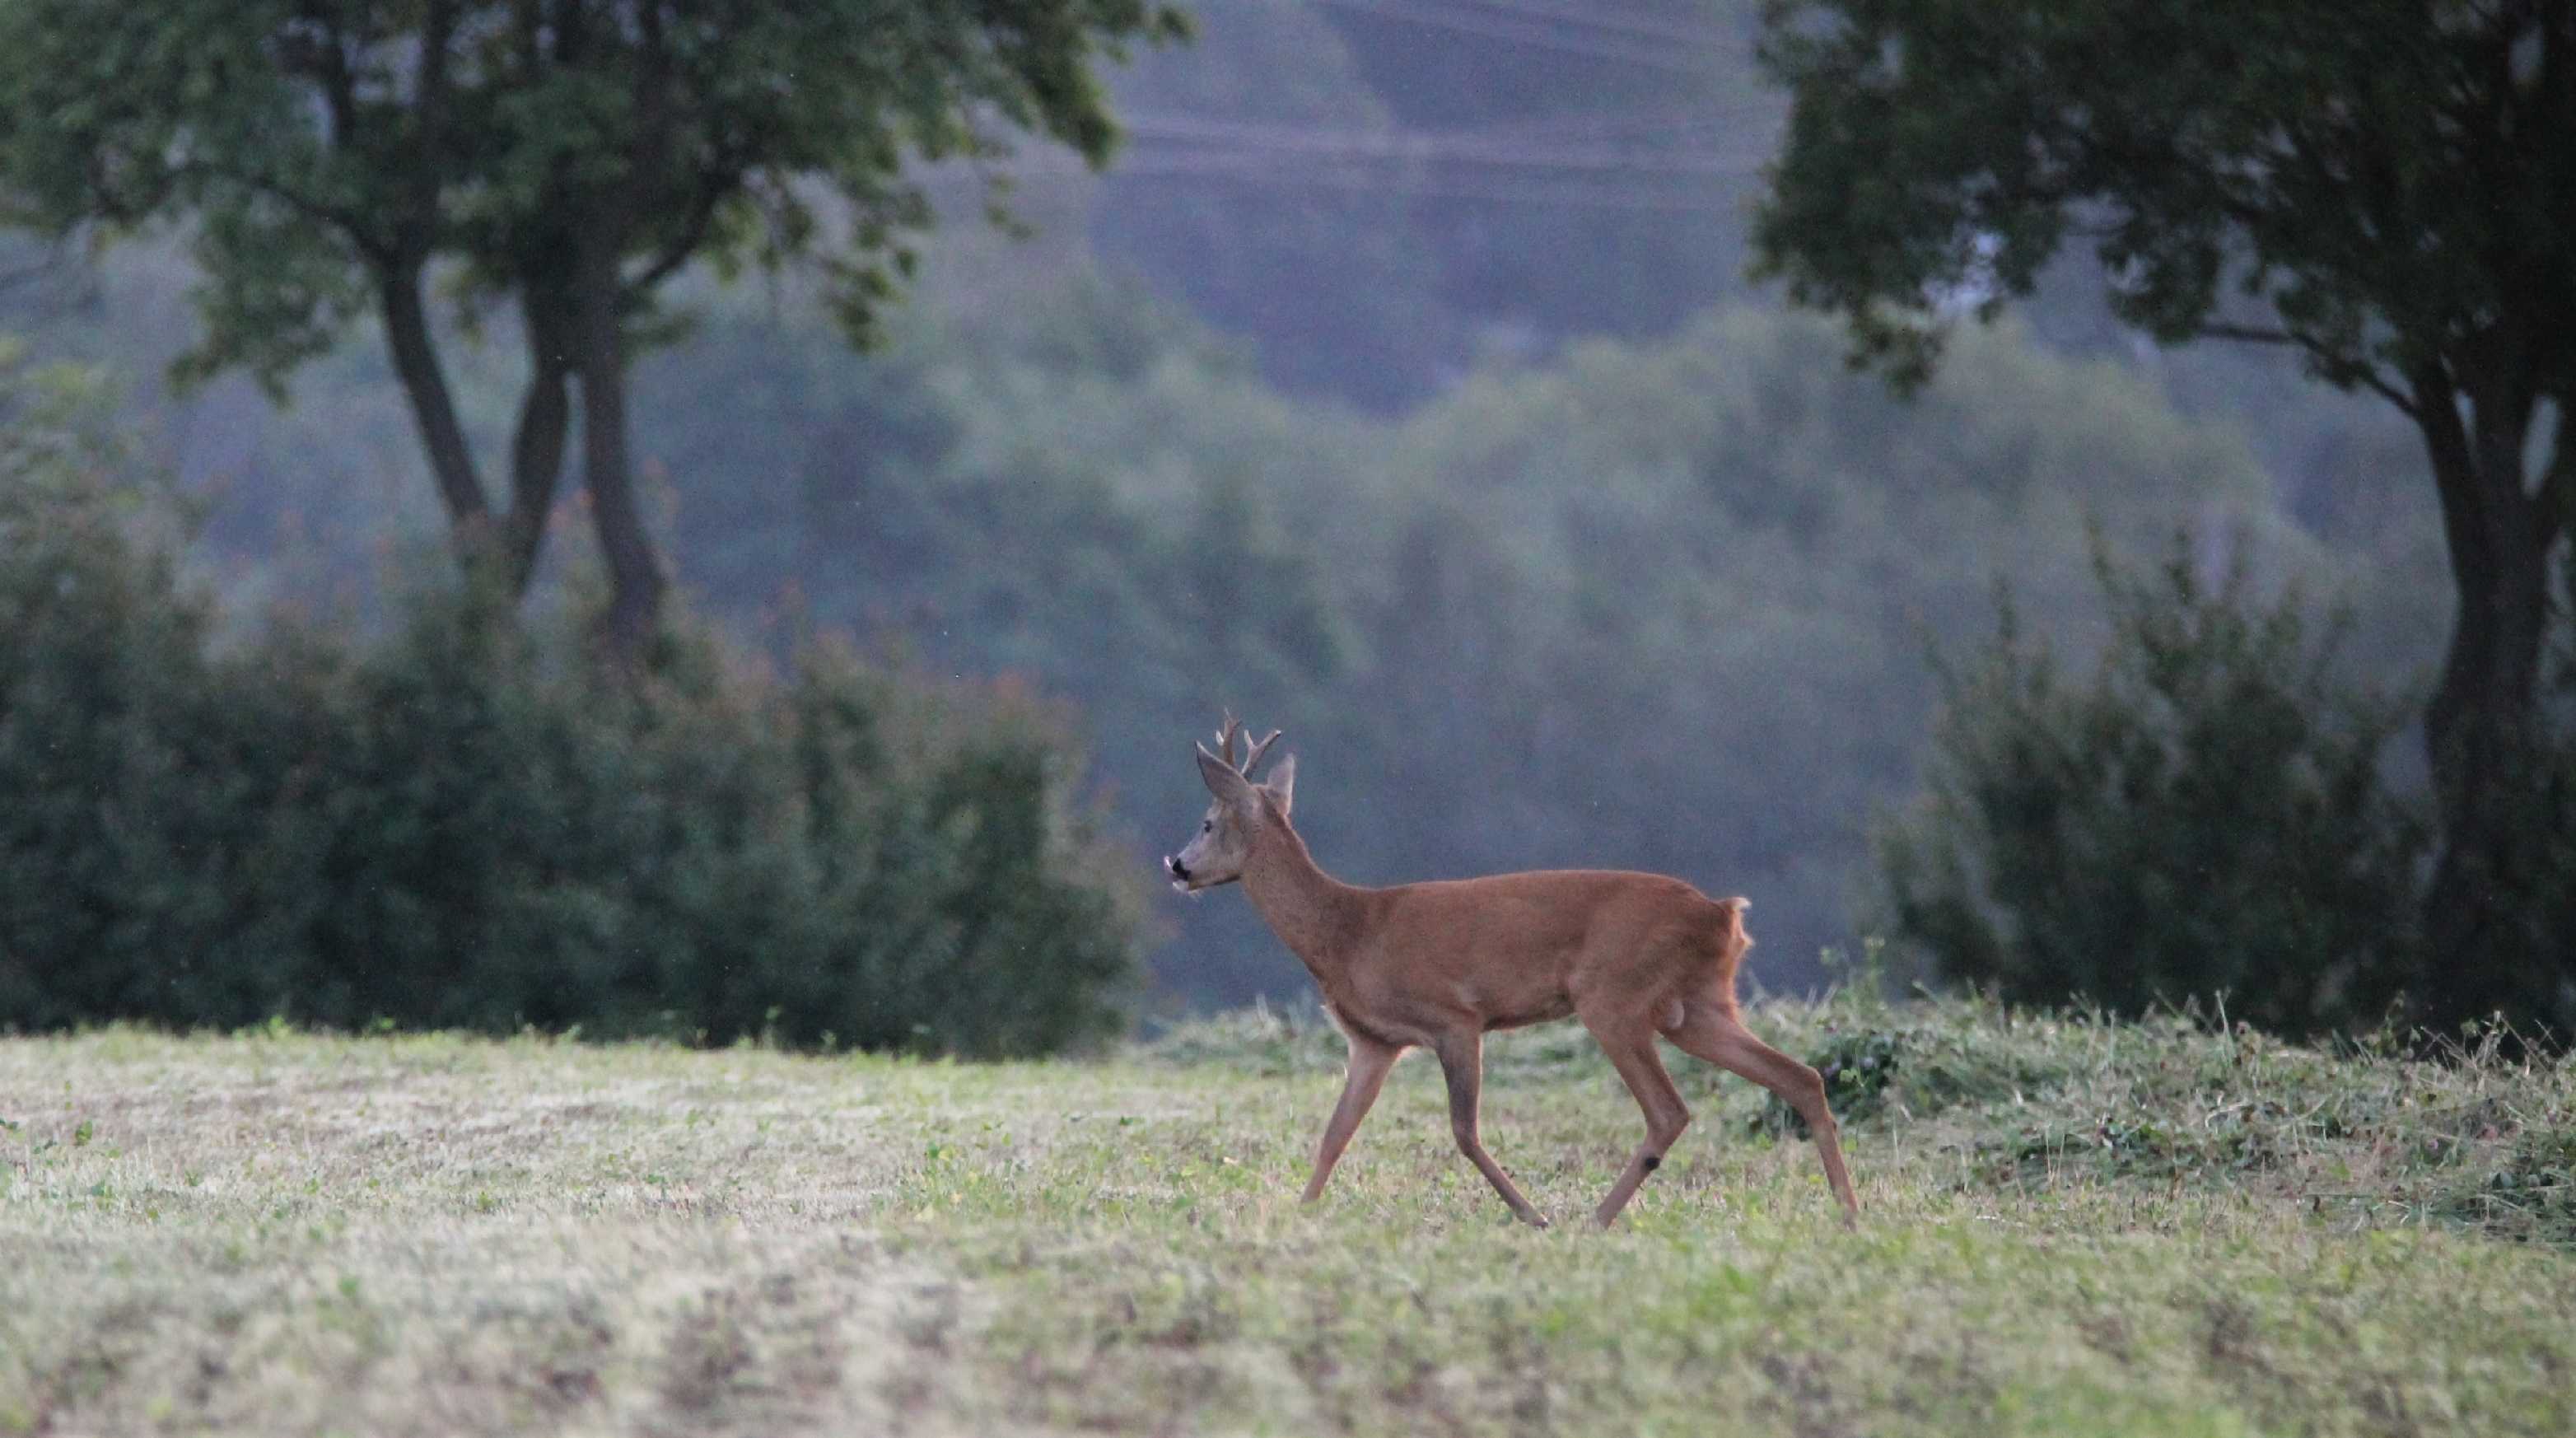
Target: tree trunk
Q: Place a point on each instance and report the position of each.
(537, 449)
(433, 409)
(634, 569)
(2483, 728)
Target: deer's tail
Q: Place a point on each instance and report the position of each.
(1732, 941)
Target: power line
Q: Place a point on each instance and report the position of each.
(1603, 127)
(1255, 171)
(1399, 146)
(1679, 118)
(1616, 157)
(1236, 171)
(1594, 19)
(1536, 35)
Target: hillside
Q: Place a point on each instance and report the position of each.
(2072, 1227)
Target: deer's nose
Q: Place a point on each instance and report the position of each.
(1179, 870)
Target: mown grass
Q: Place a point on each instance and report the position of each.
(2073, 1228)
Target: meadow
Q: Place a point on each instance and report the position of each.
(2072, 1227)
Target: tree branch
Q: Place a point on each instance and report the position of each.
(327, 63)
(2554, 506)
(349, 222)
(437, 31)
(683, 245)
(652, 153)
(2250, 334)
(2367, 376)
(339, 89)
(2371, 380)
(526, 23)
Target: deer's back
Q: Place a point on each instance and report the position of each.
(1524, 948)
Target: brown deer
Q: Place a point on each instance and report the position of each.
(1440, 965)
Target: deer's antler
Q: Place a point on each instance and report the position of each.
(1258, 750)
(1226, 734)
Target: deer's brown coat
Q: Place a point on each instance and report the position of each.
(1440, 965)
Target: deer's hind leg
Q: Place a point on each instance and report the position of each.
(1712, 1031)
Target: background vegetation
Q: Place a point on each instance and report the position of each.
(1397, 384)
(2366, 190)
(462, 823)
(2209, 815)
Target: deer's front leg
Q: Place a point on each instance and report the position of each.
(1362, 1077)
(1462, 1061)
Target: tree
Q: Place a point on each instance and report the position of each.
(568, 155)
(2383, 188)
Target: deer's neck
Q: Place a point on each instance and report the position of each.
(1313, 913)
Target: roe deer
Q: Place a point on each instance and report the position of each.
(1440, 965)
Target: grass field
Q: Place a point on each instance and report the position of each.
(2072, 1229)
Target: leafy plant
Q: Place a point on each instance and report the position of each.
(2206, 817)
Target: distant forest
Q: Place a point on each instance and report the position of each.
(1398, 385)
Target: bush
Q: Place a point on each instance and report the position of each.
(2208, 817)
(468, 825)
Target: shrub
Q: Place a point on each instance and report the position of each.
(2207, 817)
(466, 824)
(100, 660)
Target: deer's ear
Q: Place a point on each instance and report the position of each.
(1221, 778)
(1282, 782)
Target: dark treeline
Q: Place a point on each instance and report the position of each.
(1399, 385)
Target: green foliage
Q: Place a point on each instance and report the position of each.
(2531, 1191)
(2208, 816)
(567, 159)
(1658, 606)
(100, 674)
(1942, 150)
(1691, 578)
(315, 143)
(1858, 1069)
(469, 825)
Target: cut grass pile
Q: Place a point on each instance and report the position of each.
(2072, 1228)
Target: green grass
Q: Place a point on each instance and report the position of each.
(2072, 1228)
